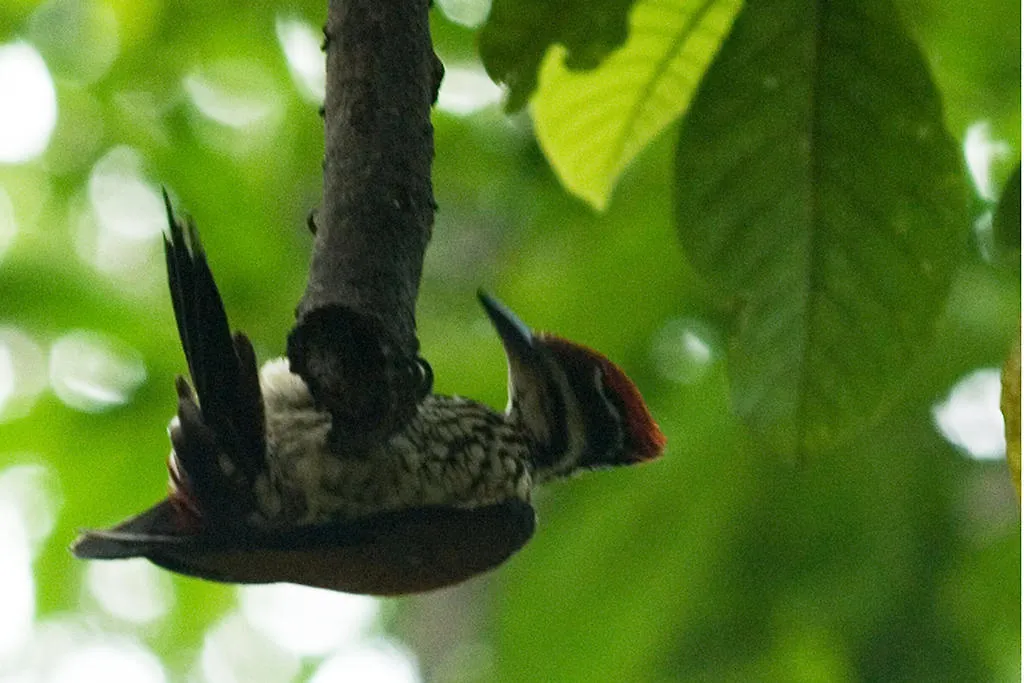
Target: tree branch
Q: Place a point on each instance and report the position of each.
(355, 339)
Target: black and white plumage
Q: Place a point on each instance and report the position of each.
(257, 493)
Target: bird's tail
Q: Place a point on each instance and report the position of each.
(155, 529)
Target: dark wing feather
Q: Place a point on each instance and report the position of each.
(179, 277)
(145, 533)
(391, 553)
(224, 373)
(248, 408)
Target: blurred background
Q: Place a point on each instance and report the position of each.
(894, 558)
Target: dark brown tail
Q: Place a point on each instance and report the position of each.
(152, 530)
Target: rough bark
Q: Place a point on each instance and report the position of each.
(355, 339)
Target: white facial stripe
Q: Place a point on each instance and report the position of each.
(613, 410)
(530, 400)
(575, 429)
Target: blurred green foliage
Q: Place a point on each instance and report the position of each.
(894, 558)
(1006, 219)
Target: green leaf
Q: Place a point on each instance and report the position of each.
(518, 33)
(591, 125)
(817, 187)
(1006, 219)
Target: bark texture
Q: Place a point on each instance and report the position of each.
(355, 338)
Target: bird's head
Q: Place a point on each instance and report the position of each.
(581, 407)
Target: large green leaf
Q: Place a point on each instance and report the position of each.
(518, 33)
(592, 124)
(817, 186)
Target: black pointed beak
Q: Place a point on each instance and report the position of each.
(518, 340)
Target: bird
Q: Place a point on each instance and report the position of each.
(258, 492)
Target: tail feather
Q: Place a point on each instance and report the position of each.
(155, 529)
(114, 545)
(225, 414)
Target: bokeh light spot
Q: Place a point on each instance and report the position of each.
(117, 232)
(307, 621)
(466, 90)
(131, 590)
(91, 373)
(23, 373)
(125, 204)
(238, 106)
(108, 661)
(380, 661)
(34, 491)
(982, 152)
(28, 108)
(300, 43)
(69, 649)
(234, 93)
(970, 419)
(234, 652)
(684, 349)
(468, 13)
(17, 586)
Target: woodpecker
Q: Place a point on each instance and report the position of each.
(258, 492)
